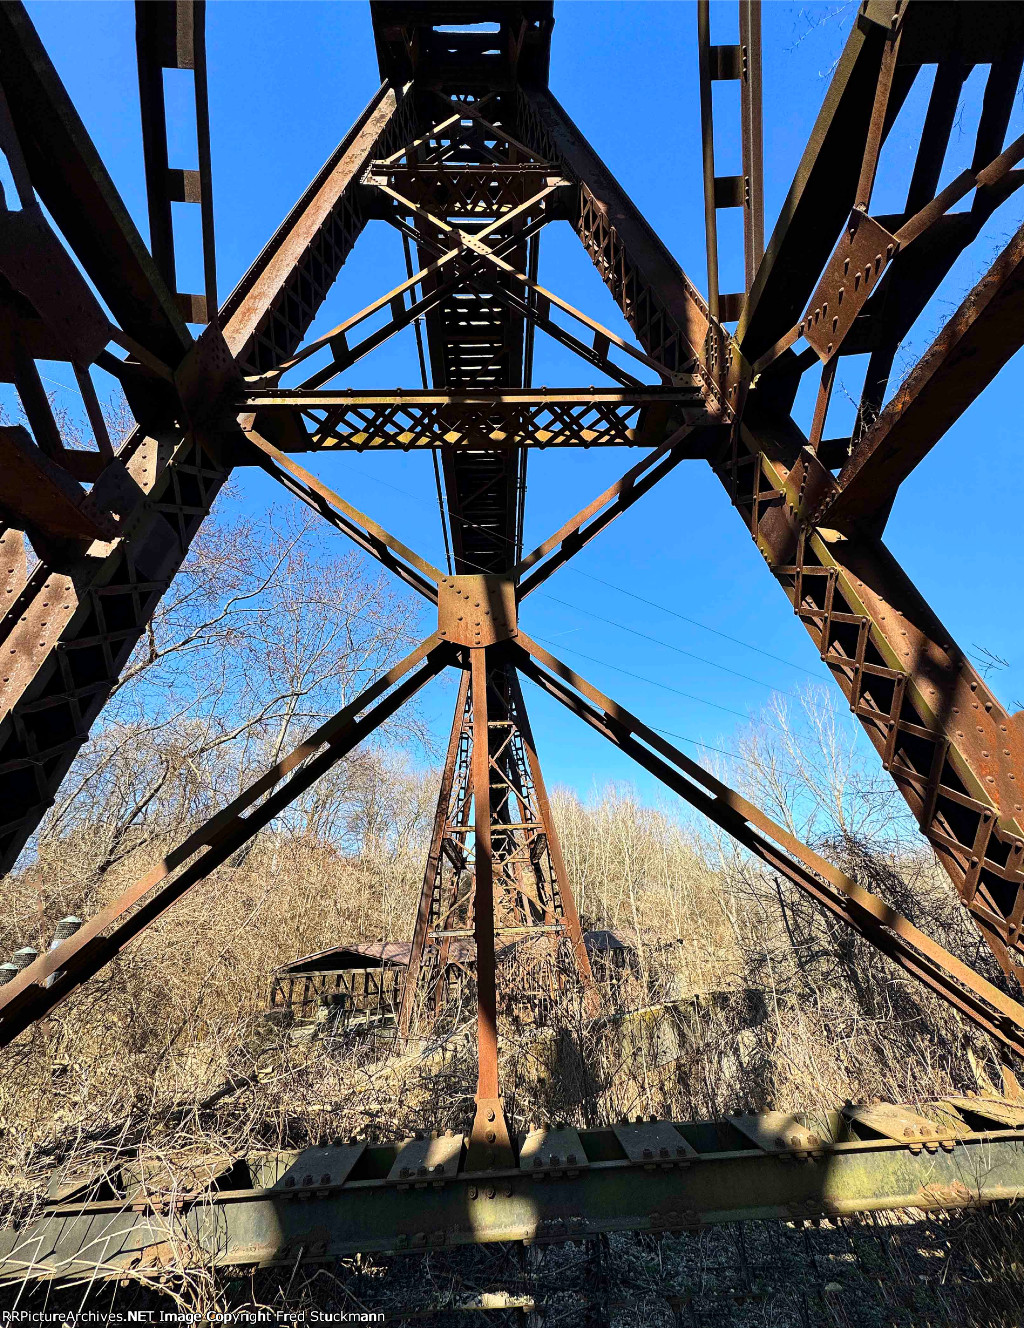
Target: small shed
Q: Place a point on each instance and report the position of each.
(359, 983)
(610, 951)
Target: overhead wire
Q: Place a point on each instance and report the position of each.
(668, 645)
(651, 682)
(694, 622)
(635, 631)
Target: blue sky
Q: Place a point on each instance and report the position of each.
(287, 79)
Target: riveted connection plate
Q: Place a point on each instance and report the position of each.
(433, 1158)
(477, 610)
(780, 1132)
(310, 1168)
(654, 1143)
(552, 1150)
(864, 251)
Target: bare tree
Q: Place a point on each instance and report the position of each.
(268, 630)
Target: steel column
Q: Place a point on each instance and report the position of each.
(425, 908)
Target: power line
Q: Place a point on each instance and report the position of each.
(699, 743)
(694, 622)
(650, 681)
(635, 631)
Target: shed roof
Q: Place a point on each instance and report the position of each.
(390, 954)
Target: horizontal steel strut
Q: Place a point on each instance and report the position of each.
(328, 1202)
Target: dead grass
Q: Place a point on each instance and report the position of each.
(742, 995)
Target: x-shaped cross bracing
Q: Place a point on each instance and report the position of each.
(477, 259)
(53, 976)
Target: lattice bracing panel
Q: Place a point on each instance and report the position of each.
(525, 418)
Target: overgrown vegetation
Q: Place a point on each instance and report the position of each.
(749, 995)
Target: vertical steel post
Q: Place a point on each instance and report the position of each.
(707, 133)
(489, 1145)
(753, 137)
(740, 63)
(423, 912)
(171, 34)
(570, 916)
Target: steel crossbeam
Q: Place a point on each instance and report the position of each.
(336, 1200)
(468, 154)
(524, 417)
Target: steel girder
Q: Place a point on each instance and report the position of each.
(346, 1198)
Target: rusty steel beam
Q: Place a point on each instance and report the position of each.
(409, 45)
(560, 875)
(489, 1142)
(665, 310)
(884, 271)
(71, 623)
(41, 986)
(954, 751)
(268, 314)
(983, 334)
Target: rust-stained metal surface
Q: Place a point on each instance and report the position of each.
(466, 152)
(522, 417)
